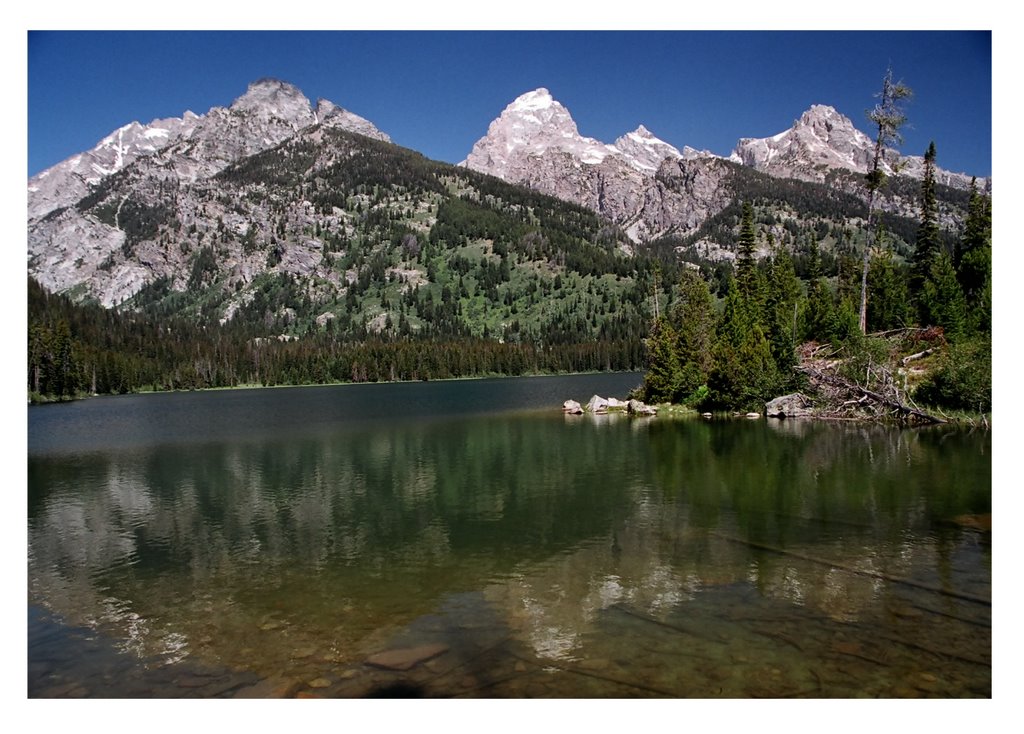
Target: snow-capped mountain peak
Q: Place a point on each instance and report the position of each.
(538, 99)
(823, 139)
(531, 125)
(820, 139)
(644, 151)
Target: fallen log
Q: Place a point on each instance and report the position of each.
(917, 355)
(905, 411)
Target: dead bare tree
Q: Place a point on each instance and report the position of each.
(889, 118)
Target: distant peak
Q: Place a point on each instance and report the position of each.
(643, 132)
(267, 90)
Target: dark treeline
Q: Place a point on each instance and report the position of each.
(75, 349)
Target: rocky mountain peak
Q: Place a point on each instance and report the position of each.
(535, 142)
(645, 151)
(536, 113)
(275, 98)
(823, 139)
(533, 125)
(538, 99)
(819, 140)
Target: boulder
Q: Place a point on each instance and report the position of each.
(616, 403)
(597, 404)
(635, 407)
(795, 405)
(572, 407)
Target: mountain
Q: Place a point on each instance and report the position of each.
(276, 220)
(192, 146)
(651, 188)
(68, 249)
(535, 143)
(292, 217)
(823, 140)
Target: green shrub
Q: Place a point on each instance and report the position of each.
(963, 380)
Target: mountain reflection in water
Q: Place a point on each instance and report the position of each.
(547, 555)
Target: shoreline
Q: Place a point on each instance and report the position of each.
(465, 378)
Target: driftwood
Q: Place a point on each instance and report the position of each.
(905, 412)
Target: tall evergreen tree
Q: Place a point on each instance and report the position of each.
(974, 260)
(888, 118)
(744, 375)
(942, 301)
(928, 243)
(663, 377)
(888, 303)
(781, 309)
(693, 316)
(748, 277)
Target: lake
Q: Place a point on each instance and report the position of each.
(467, 539)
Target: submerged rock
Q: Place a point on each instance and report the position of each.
(405, 658)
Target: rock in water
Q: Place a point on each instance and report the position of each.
(572, 407)
(794, 405)
(635, 407)
(597, 404)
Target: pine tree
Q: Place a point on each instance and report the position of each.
(748, 277)
(744, 374)
(888, 303)
(942, 300)
(693, 316)
(888, 117)
(663, 377)
(928, 243)
(781, 309)
(974, 261)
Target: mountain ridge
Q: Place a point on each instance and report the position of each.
(149, 203)
(280, 109)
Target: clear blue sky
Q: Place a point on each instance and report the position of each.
(436, 92)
